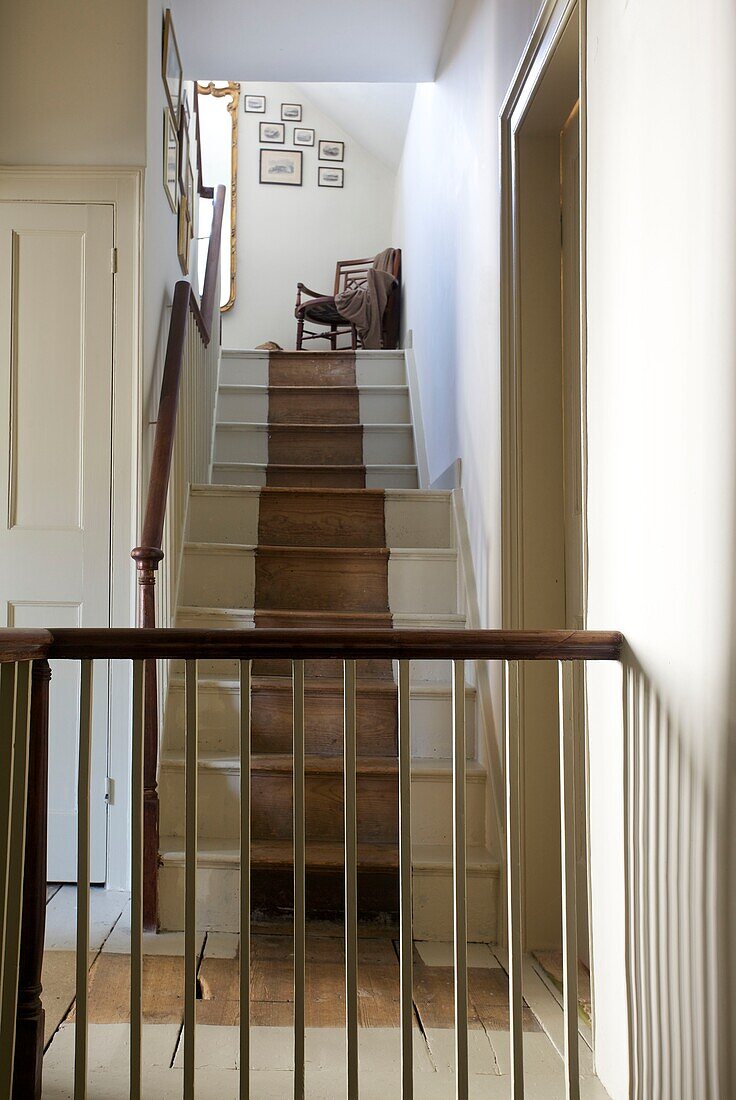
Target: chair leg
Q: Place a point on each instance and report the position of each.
(354, 337)
(333, 337)
(299, 333)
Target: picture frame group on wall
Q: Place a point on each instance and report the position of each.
(272, 133)
(291, 112)
(281, 166)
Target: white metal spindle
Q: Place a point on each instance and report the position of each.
(569, 890)
(15, 715)
(406, 938)
(83, 868)
(299, 878)
(245, 750)
(136, 889)
(459, 881)
(351, 880)
(190, 875)
(513, 875)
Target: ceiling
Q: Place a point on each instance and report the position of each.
(332, 40)
(375, 115)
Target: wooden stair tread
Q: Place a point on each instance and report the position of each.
(279, 550)
(316, 764)
(324, 686)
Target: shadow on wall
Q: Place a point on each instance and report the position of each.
(672, 869)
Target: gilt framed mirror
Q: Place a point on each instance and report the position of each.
(217, 104)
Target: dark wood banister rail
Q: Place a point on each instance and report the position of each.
(149, 554)
(437, 645)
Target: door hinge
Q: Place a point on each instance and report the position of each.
(109, 790)
(114, 261)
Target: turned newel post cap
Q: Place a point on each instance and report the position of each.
(147, 557)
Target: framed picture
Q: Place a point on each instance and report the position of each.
(291, 112)
(282, 166)
(191, 206)
(303, 136)
(255, 104)
(272, 133)
(332, 150)
(331, 177)
(170, 160)
(183, 153)
(171, 68)
(184, 235)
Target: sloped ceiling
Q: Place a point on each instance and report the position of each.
(296, 41)
(376, 115)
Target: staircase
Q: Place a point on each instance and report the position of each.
(314, 518)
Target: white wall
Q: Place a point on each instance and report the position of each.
(662, 434)
(74, 78)
(288, 235)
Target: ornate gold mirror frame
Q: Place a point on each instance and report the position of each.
(231, 90)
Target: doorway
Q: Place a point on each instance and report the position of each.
(544, 437)
(56, 301)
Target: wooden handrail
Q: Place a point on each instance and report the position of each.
(149, 553)
(437, 645)
(23, 645)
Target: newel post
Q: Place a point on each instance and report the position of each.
(29, 1030)
(147, 561)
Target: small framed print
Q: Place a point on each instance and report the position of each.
(332, 150)
(272, 133)
(184, 235)
(171, 67)
(255, 104)
(171, 160)
(183, 153)
(191, 207)
(302, 136)
(291, 112)
(331, 177)
(282, 166)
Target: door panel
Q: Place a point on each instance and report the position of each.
(56, 317)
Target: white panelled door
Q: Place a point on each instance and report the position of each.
(56, 332)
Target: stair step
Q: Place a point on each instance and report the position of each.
(316, 369)
(313, 405)
(321, 578)
(394, 476)
(314, 444)
(322, 517)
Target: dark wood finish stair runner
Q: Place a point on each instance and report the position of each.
(321, 560)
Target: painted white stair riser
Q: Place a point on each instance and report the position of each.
(384, 405)
(217, 576)
(421, 581)
(383, 444)
(219, 804)
(416, 519)
(377, 404)
(412, 519)
(254, 473)
(219, 717)
(218, 901)
(370, 369)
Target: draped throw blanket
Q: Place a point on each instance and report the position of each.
(364, 306)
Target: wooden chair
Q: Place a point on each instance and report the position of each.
(320, 309)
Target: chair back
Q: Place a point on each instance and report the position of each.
(351, 274)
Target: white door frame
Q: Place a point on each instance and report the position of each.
(552, 21)
(122, 188)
